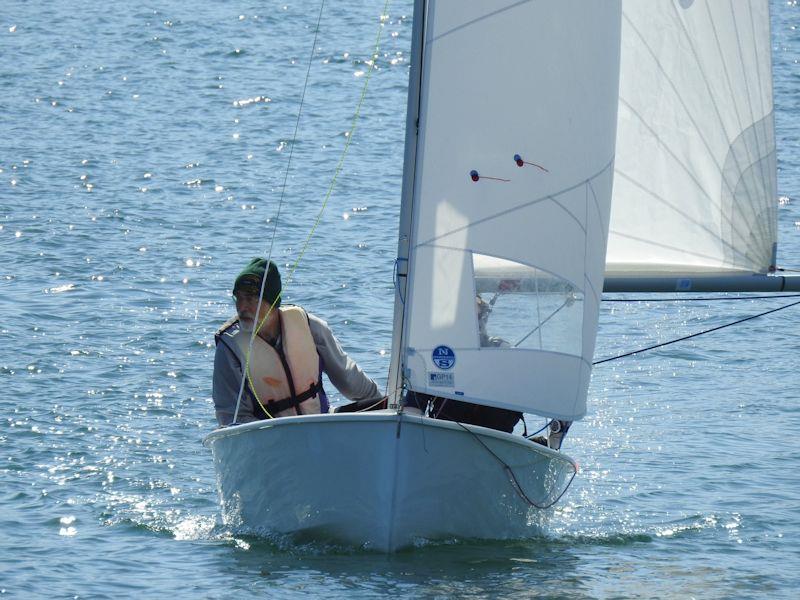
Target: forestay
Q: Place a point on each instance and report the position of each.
(511, 201)
(695, 184)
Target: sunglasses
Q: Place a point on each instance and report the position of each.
(245, 296)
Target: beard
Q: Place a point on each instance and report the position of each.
(246, 324)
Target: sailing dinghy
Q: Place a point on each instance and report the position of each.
(505, 211)
(506, 197)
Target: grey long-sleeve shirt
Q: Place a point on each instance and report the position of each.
(342, 371)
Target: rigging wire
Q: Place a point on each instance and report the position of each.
(340, 164)
(699, 333)
(567, 302)
(246, 372)
(288, 278)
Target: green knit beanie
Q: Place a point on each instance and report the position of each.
(250, 280)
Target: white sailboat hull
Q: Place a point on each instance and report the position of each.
(383, 480)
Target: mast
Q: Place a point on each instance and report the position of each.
(395, 382)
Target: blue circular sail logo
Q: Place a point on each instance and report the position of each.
(443, 357)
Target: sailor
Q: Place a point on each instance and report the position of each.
(290, 351)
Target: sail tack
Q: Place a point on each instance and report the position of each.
(695, 184)
(511, 202)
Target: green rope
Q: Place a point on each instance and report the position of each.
(328, 194)
(347, 144)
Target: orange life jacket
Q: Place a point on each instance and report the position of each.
(286, 382)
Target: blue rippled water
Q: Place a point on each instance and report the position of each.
(142, 155)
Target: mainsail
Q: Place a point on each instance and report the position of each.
(510, 187)
(695, 188)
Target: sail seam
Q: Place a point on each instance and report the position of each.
(470, 251)
(759, 164)
(765, 173)
(479, 19)
(732, 95)
(590, 286)
(674, 88)
(725, 181)
(595, 308)
(603, 225)
(521, 207)
(741, 256)
(690, 175)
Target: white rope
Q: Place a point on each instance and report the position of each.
(257, 327)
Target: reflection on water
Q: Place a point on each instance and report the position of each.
(133, 188)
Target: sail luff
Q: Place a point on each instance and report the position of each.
(394, 384)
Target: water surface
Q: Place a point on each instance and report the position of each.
(142, 156)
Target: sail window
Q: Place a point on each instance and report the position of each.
(519, 306)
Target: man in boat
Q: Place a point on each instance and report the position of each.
(290, 351)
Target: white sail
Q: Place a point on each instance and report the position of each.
(695, 183)
(514, 165)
